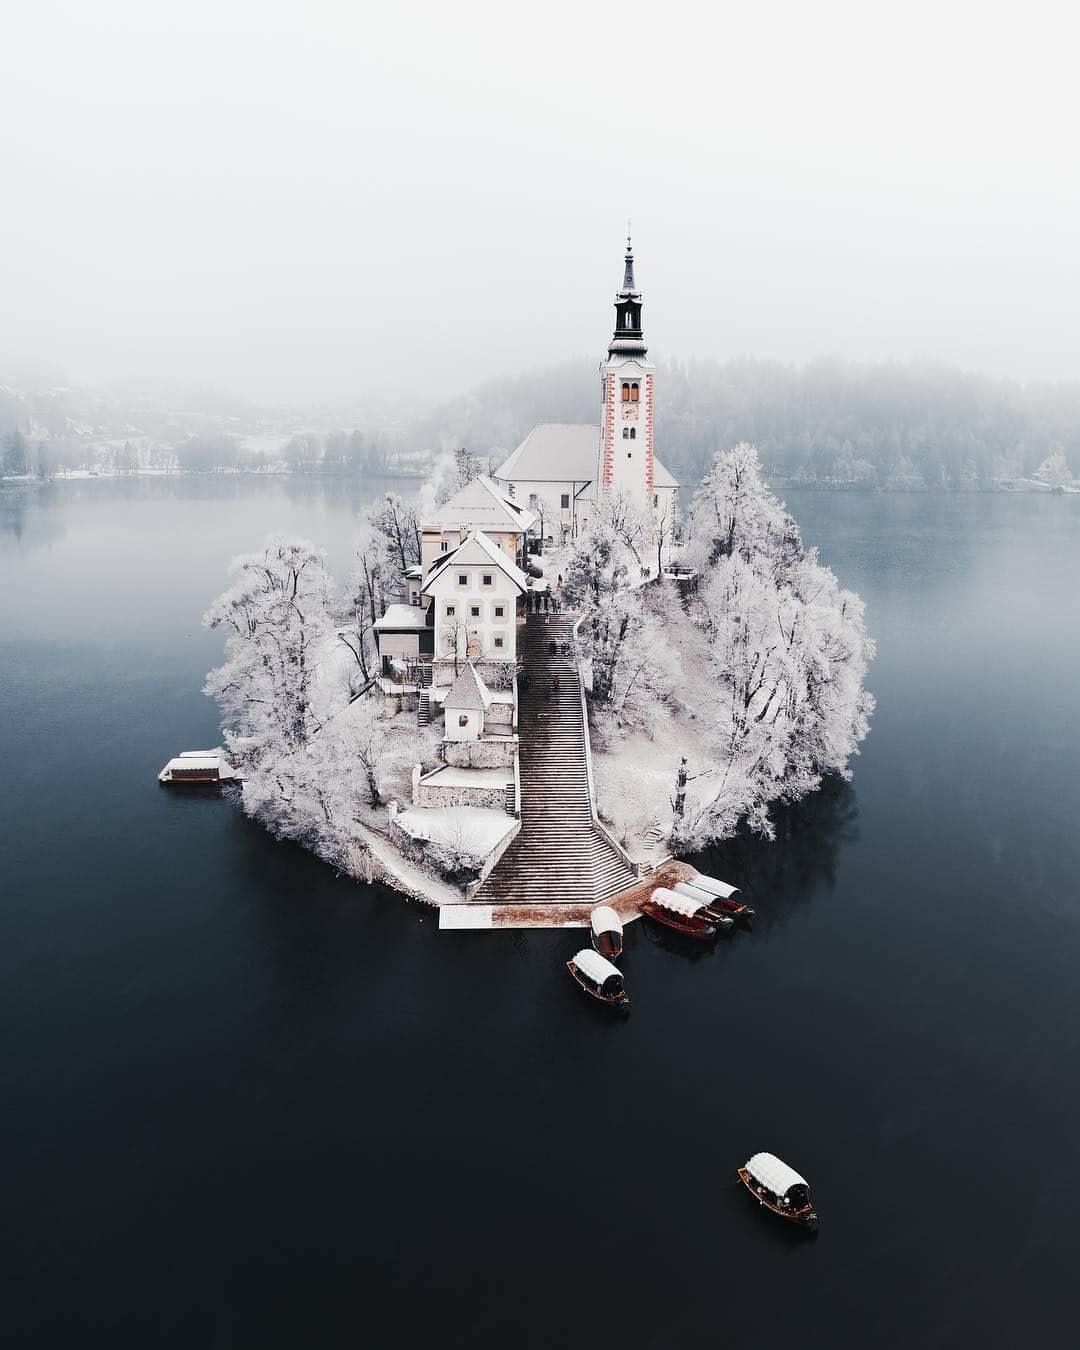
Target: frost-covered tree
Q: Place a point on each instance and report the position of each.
(602, 577)
(751, 691)
(397, 523)
(789, 653)
(366, 598)
(277, 619)
(734, 513)
(1054, 470)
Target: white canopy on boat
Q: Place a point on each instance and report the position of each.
(605, 920)
(714, 887)
(192, 763)
(775, 1175)
(678, 904)
(693, 892)
(593, 965)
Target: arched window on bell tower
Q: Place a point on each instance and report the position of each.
(626, 393)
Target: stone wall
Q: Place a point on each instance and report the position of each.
(493, 798)
(499, 715)
(480, 755)
(495, 674)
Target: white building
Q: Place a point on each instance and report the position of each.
(474, 592)
(479, 505)
(465, 706)
(559, 470)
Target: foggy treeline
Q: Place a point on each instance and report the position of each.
(830, 422)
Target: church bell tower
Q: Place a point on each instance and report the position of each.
(626, 390)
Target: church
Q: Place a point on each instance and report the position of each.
(559, 470)
(465, 598)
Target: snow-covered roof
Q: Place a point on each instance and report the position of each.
(662, 476)
(605, 920)
(402, 619)
(777, 1176)
(677, 904)
(564, 452)
(595, 966)
(713, 887)
(554, 452)
(468, 692)
(192, 763)
(478, 548)
(481, 505)
(478, 827)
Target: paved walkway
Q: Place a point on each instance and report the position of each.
(627, 904)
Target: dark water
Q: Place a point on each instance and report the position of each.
(249, 1104)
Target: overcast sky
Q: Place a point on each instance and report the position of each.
(313, 200)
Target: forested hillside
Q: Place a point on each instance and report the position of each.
(832, 421)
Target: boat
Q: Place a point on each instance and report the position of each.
(599, 978)
(723, 921)
(726, 895)
(780, 1188)
(607, 933)
(681, 913)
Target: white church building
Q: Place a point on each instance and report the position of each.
(559, 470)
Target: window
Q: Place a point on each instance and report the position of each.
(656, 499)
(629, 454)
(463, 720)
(629, 320)
(463, 579)
(445, 546)
(634, 393)
(498, 642)
(487, 578)
(451, 610)
(474, 610)
(626, 393)
(533, 499)
(626, 433)
(565, 501)
(633, 433)
(499, 611)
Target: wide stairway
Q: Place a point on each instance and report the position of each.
(559, 856)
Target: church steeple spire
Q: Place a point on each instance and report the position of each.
(628, 339)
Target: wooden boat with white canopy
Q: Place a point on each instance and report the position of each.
(681, 913)
(780, 1188)
(687, 888)
(198, 766)
(598, 977)
(607, 931)
(725, 898)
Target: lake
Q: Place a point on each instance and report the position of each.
(248, 1103)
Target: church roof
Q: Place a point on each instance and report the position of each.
(554, 452)
(402, 619)
(482, 505)
(478, 548)
(564, 452)
(468, 692)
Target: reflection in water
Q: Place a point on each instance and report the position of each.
(775, 875)
(23, 519)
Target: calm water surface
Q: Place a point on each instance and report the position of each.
(247, 1103)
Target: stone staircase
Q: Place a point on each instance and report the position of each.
(559, 856)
